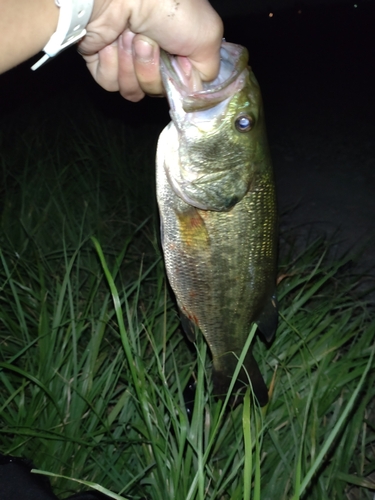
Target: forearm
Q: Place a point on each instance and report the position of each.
(25, 28)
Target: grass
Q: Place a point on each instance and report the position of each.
(94, 367)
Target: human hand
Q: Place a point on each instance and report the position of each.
(124, 37)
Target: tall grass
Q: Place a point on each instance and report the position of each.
(94, 367)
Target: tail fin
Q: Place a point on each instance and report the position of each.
(223, 371)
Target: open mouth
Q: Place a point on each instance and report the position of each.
(197, 95)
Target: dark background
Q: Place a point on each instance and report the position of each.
(315, 64)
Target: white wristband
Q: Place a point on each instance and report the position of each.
(73, 19)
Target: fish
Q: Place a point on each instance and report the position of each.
(218, 217)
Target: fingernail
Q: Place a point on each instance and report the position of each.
(126, 41)
(185, 66)
(192, 78)
(143, 51)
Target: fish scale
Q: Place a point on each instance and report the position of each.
(221, 264)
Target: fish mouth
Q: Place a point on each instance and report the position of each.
(231, 79)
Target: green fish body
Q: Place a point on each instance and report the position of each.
(217, 204)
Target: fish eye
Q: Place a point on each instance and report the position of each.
(244, 123)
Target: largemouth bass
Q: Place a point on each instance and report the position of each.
(216, 198)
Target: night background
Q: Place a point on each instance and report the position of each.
(78, 161)
(315, 64)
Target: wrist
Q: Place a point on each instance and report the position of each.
(74, 16)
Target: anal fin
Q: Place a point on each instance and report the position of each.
(268, 319)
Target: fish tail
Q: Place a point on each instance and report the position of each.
(223, 370)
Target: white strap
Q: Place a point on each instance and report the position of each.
(73, 19)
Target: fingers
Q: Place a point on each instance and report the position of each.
(139, 72)
(191, 28)
(129, 65)
(207, 61)
(127, 80)
(205, 55)
(121, 60)
(103, 66)
(147, 64)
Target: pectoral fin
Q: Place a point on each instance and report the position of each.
(267, 321)
(223, 370)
